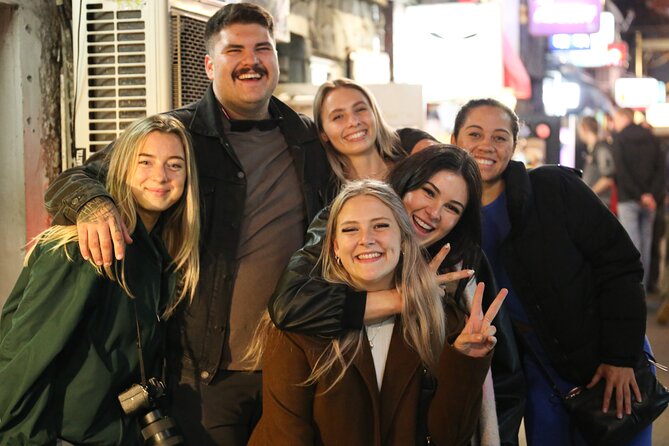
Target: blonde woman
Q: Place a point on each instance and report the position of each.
(372, 386)
(68, 333)
(358, 142)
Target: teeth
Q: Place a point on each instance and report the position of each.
(371, 255)
(484, 161)
(422, 224)
(249, 76)
(356, 135)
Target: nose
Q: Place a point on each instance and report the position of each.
(251, 58)
(159, 173)
(353, 120)
(366, 238)
(434, 212)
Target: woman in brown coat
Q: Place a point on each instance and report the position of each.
(401, 381)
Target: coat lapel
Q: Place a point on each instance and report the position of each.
(401, 366)
(364, 364)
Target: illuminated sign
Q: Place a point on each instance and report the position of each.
(548, 17)
(638, 92)
(563, 42)
(657, 115)
(569, 49)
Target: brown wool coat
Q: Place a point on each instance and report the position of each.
(354, 412)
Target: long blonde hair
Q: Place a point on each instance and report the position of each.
(181, 222)
(387, 141)
(423, 317)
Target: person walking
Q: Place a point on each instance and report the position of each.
(599, 169)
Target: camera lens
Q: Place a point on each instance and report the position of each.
(159, 429)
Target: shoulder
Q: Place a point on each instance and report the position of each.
(554, 175)
(284, 345)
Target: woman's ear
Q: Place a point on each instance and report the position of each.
(324, 137)
(335, 247)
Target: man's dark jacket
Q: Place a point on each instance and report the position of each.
(198, 332)
(576, 271)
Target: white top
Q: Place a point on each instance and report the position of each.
(379, 336)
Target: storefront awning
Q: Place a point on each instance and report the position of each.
(515, 74)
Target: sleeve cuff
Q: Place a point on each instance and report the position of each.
(353, 316)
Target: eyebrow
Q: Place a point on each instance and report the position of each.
(439, 192)
(153, 156)
(373, 220)
(501, 129)
(239, 46)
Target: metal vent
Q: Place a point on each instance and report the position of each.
(122, 69)
(189, 77)
(116, 46)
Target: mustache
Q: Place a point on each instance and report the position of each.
(256, 68)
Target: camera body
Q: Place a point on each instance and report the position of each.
(157, 428)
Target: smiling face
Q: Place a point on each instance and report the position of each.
(348, 122)
(368, 242)
(244, 68)
(436, 207)
(159, 175)
(486, 134)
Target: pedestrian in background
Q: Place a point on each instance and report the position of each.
(599, 169)
(639, 163)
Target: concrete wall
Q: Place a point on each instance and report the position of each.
(29, 126)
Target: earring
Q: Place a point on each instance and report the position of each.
(338, 260)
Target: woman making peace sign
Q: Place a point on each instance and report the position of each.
(402, 380)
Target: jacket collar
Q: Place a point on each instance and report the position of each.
(518, 194)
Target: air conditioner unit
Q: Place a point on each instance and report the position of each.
(187, 22)
(121, 67)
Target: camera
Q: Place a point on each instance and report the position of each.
(157, 428)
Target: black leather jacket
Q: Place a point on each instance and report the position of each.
(306, 303)
(575, 270)
(198, 333)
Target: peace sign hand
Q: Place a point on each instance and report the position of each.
(453, 277)
(477, 339)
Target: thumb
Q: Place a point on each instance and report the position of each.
(595, 379)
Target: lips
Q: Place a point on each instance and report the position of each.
(369, 256)
(158, 192)
(484, 161)
(250, 73)
(353, 137)
(422, 226)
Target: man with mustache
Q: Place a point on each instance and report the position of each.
(262, 174)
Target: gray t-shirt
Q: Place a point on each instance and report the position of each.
(272, 229)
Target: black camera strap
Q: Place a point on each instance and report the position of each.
(142, 371)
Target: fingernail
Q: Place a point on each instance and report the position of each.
(470, 272)
(447, 245)
(619, 416)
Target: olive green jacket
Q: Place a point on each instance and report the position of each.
(68, 344)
